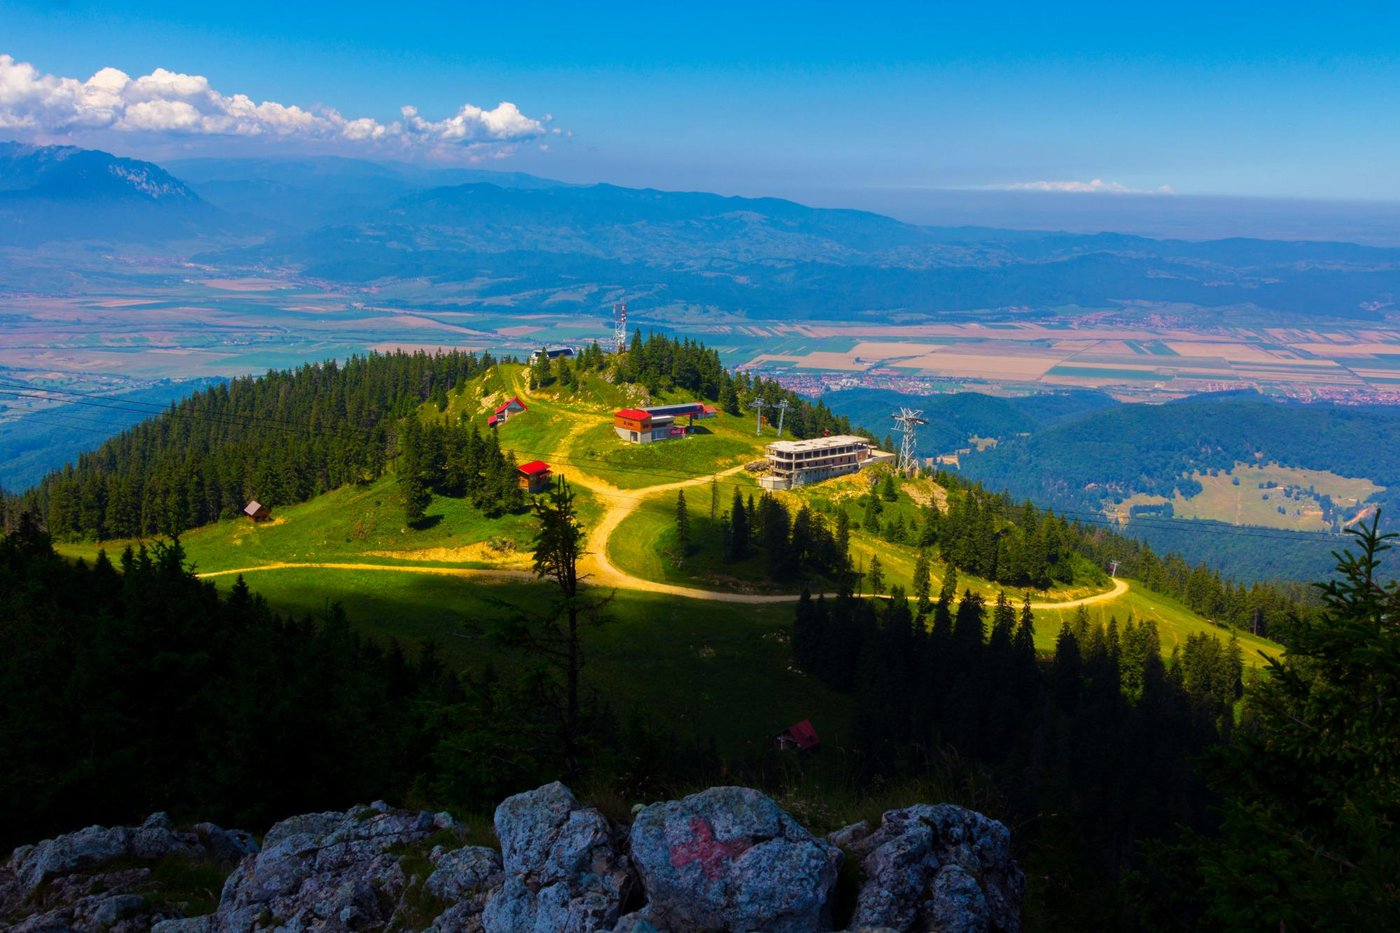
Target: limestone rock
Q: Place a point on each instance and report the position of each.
(562, 868)
(939, 867)
(324, 871)
(92, 879)
(464, 878)
(729, 858)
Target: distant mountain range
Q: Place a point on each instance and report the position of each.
(62, 192)
(490, 234)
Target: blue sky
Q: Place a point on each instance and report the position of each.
(1279, 100)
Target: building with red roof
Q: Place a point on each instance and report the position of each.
(512, 406)
(535, 476)
(801, 737)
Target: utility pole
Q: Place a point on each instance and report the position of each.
(758, 404)
(909, 419)
(782, 407)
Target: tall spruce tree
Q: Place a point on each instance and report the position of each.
(682, 525)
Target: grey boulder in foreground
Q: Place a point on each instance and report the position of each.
(725, 859)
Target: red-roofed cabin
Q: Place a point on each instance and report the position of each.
(534, 476)
(492, 422)
(801, 737)
(257, 511)
(633, 424)
(512, 406)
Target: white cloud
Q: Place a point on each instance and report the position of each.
(1096, 186)
(170, 103)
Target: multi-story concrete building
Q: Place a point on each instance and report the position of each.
(800, 463)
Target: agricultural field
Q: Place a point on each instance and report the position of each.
(1268, 495)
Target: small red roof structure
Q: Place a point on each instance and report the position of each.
(492, 421)
(534, 476)
(801, 736)
(511, 404)
(635, 414)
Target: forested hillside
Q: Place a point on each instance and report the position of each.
(287, 436)
(1151, 448)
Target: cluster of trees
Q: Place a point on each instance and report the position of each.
(279, 438)
(138, 687)
(1095, 745)
(663, 364)
(1308, 787)
(1155, 448)
(455, 460)
(1018, 544)
(561, 371)
(982, 534)
(794, 546)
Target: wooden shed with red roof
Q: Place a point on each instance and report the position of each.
(800, 737)
(504, 411)
(535, 476)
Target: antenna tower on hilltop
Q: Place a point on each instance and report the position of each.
(909, 419)
(620, 327)
(758, 404)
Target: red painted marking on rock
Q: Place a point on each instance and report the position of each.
(704, 848)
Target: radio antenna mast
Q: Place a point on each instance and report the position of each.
(620, 327)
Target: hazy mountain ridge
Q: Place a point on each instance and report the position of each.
(52, 193)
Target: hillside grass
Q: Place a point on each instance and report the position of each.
(1259, 494)
(699, 668)
(646, 545)
(360, 524)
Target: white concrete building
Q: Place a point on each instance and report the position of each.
(801, 463)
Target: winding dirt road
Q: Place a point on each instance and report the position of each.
(597, 567)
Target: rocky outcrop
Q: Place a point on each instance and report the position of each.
(333, 870)
(937, 867)
(727, 858)
(100, 878)
(563, 870)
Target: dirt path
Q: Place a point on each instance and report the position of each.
(478, 573)
(596, 567)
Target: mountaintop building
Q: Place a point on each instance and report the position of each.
(801, 463)
(658, 423)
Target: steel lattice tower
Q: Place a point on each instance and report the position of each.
(620, 327)
(909, 419)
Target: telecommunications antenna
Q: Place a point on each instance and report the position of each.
(619, 327)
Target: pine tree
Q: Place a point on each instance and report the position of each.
(877, 575)
(682, 525)
(738, 528)
(922, 583)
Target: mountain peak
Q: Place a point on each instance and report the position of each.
(67, 173)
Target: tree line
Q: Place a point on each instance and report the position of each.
(1092, 749)
(281, 438)
(133, 687)
(455, 460)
